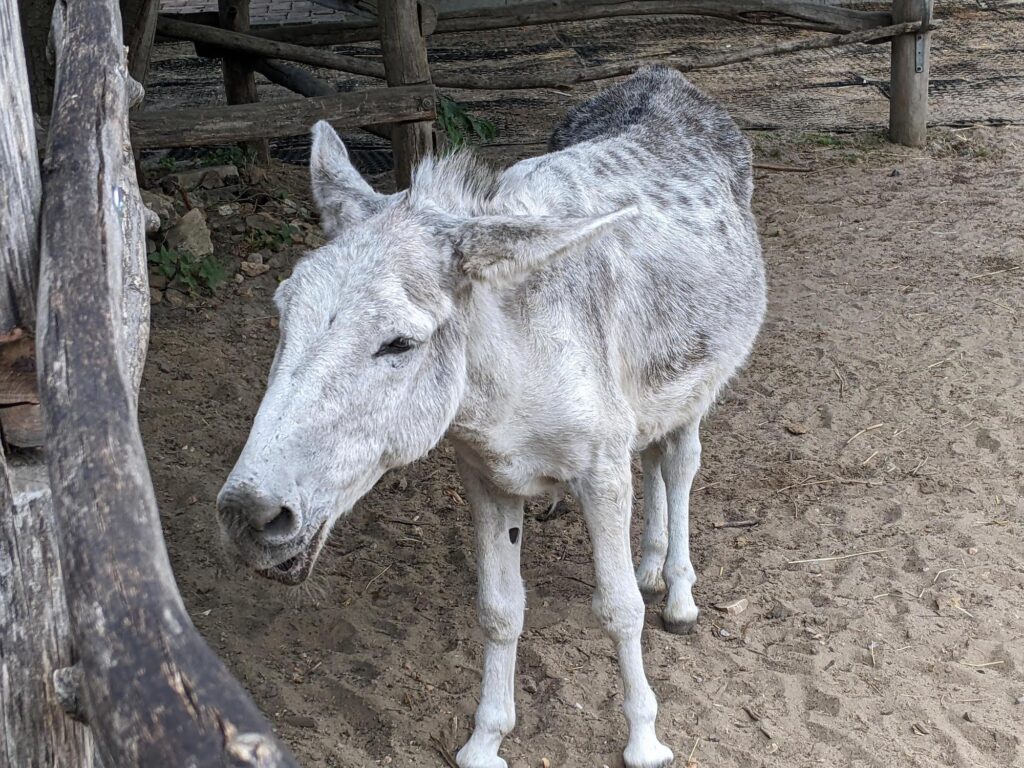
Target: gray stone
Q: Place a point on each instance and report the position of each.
(161, 205)
(190, 234)
(205, 178)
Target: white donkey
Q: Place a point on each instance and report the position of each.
(550, 320)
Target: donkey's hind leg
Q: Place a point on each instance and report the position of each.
(679, 465)
(654, 543)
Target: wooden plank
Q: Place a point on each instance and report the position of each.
(269, 49)
(239, 80)
(803, 15)
(908, 84)
(405, 62)
(222, 125)
(152, 691)
(19, 180)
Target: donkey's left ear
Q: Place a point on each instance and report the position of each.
(506, 249)
(341, 194)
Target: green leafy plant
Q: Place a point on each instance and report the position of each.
(183, 269)
(459, 125)
(274, 239)
(168, 163)
(227, 156)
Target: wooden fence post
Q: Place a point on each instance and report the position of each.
(405, 63)
(239, 80)
(34, 626)
(908, 84)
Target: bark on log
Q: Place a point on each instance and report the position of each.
(223, 125)
(153, 692)
(270, 49)
(405, 62)
(19, 180)
(790, 13)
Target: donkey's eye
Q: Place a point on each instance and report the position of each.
(396, 346)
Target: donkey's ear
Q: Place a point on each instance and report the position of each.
(506, 249)
(342, 195)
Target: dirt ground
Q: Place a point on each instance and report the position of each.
(875, 436)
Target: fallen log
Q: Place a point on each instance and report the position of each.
(224, 125)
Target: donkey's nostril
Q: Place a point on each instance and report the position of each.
(285, 522)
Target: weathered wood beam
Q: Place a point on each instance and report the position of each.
(269, 49)
(709, 61)
(222, 125)
(405, 62)
(239, 80)
(154, 693)
(908, 81)
(138, 18)
(35, 634)
(803, 15)
(299, 81)
(19, 180)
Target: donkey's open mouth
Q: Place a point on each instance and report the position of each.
(296, 569)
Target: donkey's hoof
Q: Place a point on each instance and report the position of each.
(679, 627)
(653, 755)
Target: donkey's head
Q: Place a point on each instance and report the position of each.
(370, 367)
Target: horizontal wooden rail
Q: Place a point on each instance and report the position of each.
(710, 61)
(269, 49)
(199, 126)
(794, 13)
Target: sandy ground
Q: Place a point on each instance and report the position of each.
(877, 426)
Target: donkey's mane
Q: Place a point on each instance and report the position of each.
(459, 183)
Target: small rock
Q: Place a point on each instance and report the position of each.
(263, 221)
(529, 685)
(1020, 699)
(155, 295)
(968, 717)
(796, 429)
(191, 234)
(227, 209)
(238, 277)
(256, 258)
(175, 297)
(895, 172)
(734, 608)
(724, 633)
(779, 611)
(161, 205)
(300, 721)
(151, 246)
(157, 280)
(545, 763)
(251, 269)
(206, 178)
(972, 550)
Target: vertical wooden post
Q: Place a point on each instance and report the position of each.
(405, 63)
(239, 80)
(908, 85)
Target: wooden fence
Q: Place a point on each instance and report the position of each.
(100, 664)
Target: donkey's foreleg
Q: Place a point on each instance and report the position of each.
(654, 543)
(679, 466)
(501, 600)
(606, 501)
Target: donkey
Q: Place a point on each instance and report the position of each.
(550, 319)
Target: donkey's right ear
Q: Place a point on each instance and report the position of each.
(341, 194)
